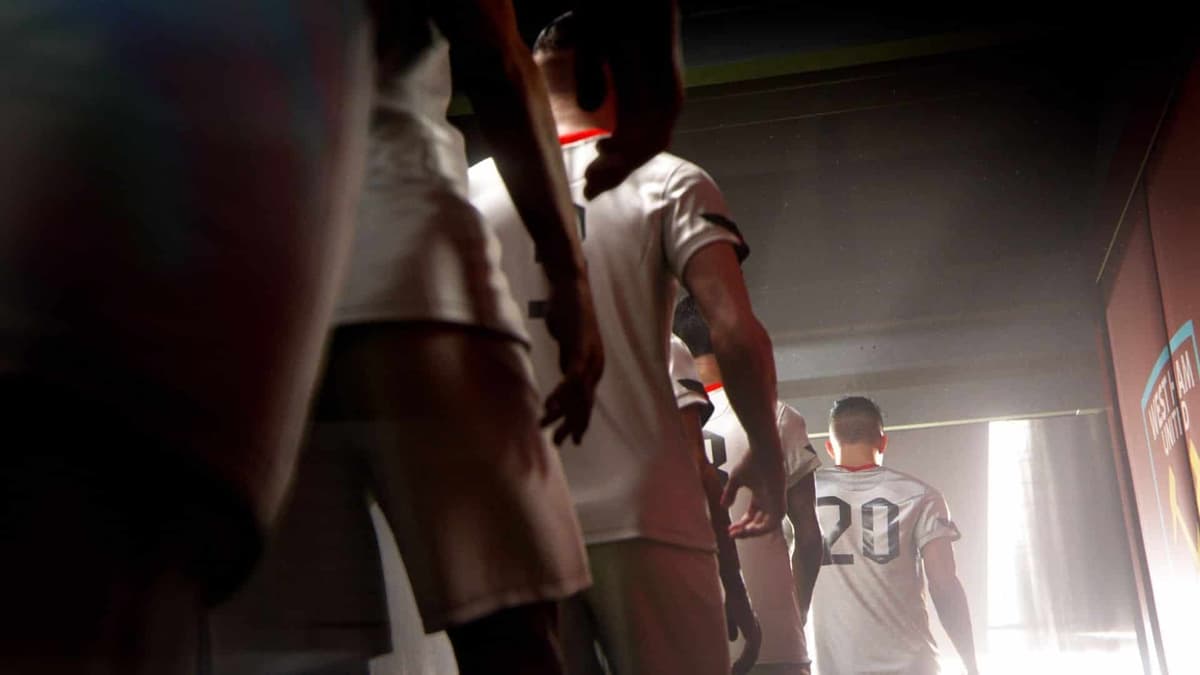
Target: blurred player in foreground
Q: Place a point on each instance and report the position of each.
(175, 208)
(428, 401)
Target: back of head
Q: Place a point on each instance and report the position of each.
(856, 420)
(559, 36)
(555, 51)
(691, 327)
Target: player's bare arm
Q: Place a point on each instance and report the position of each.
(513, 108)
(739, 613)
(639, 41)
(808, 546)
(743, 351)
(949, 599)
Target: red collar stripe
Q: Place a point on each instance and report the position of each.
(576, 136)
(710, 388)
(861, 467)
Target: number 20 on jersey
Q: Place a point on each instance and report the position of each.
(871, 522)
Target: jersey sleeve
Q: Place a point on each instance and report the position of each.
(696, 216)
(799, 457)
(933, 520)
(685, 380)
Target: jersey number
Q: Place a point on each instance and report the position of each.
(716, 449)
(868, 531)
(539, 308)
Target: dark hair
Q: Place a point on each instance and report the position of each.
(565, 67)
(560, 35)
(855, 419)
(691, 327)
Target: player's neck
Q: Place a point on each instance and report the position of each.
(569, 118)
(709, 370)
(859, 457)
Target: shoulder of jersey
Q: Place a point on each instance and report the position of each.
(900, 475)
(894, 476)
(676, 165)
(782, 409)
(665, 166)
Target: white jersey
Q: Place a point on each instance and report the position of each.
(766, 564)
(869, 603)
(685, 379)
(421, 252)
(633, 475)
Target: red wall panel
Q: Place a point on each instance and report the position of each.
(1153, 313)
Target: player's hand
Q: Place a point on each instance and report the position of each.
(768, 500)
(571, 320)
(739, 614)
(740, 618)
(638, 40)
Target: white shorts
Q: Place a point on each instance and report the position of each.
(439, 424)
(653, 609)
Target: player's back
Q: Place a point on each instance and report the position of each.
(869, 605)
(636, 239)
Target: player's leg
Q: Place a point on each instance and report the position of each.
(659, 608)
(475, 496)
(521, 640)
(579, 636)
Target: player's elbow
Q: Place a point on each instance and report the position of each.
(739, 335)
(944, 590)
(937, 594)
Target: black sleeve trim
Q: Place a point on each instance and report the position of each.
(742, 248)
